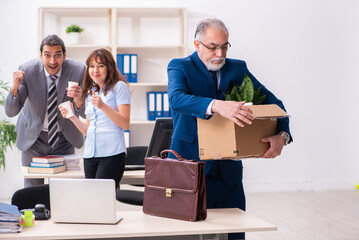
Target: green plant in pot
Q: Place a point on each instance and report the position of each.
(7, 130)
(245, 92)
(74, 28)
(73, 32)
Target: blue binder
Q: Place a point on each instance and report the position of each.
(127, 138)
(133, 68)
(166, 105)
(159, 104)
(151, 106)
(123, 64)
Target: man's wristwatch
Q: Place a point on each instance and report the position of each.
(286, 137)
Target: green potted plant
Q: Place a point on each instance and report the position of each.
(7, 130)
(73, 32)
(245, 92)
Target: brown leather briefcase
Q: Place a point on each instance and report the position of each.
(175, 188)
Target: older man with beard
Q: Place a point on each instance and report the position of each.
(195, 86)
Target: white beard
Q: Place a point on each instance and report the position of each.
(215, 67)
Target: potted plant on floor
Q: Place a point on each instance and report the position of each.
(245, 92)
(73, 32)
(7, 130)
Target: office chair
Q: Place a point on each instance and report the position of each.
(30, 196)
(134, 161)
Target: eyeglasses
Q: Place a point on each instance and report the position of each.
(223, 48)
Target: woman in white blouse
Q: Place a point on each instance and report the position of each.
(107, 98)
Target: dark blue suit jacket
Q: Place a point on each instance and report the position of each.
(190, 91)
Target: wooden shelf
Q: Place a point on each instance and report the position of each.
(134, 122)
(88, 46)
(149, 84)
(119, 47)
(156, 35)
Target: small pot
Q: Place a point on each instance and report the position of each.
(74, 38)
(248, 103)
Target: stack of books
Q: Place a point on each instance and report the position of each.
(10, 218)
(47, 164)
(72, 162)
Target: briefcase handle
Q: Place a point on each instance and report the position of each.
(162, 154)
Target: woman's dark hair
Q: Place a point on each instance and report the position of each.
(113, 75)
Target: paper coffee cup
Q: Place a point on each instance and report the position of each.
(71, 83)
(67, 105)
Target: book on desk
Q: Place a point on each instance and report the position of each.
(55, 164)
(57, 169)
(72, 162)
(47, 164)
(48, 159)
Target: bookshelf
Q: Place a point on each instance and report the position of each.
(156, 35)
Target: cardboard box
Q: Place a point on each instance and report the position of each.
(220, 138)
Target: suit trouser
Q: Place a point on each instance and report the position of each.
(42, 148)
(221, 194)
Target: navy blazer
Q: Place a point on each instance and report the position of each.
(190, 90)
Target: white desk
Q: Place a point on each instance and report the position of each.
(128, 176)
(135, 224)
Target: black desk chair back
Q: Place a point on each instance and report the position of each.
(135, 160)
(160, 140)
(28, 197)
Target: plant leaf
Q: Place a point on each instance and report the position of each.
(227, 97)
(7, 139)
(257, 92)
(248, 91)
(259, 100)
(239, 98)
(4, 89)
(245, 92)
(234, 90)
(240, 88)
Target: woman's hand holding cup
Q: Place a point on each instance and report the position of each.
(73, 90)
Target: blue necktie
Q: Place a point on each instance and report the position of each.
(214, 77)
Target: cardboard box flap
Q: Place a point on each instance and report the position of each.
(267, 111)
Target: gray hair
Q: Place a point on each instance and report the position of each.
(206, 23)
(52, 40)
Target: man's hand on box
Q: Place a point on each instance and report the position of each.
(234, 111)
(276, 143)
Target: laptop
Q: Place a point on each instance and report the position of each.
(83, 201)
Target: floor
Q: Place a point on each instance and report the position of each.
(313, 215)
(310, 215)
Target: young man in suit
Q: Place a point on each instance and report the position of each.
(195, 87)
(39, 86)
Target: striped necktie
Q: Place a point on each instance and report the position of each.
(52, 113)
